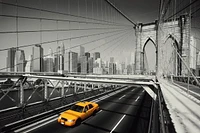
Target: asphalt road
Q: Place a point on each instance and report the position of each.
(125, 112)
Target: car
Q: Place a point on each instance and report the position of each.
(77, 113)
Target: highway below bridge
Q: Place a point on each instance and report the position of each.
(127, 111)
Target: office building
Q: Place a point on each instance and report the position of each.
(90, 65)
(82, 51)
(29, 67)
(49, 62)
(59, 59)
(87, 54)
(38, 62)
(83, 64)
(70, 62)
(11, 59)
(112, 66)
(96, 55)
(19, 61)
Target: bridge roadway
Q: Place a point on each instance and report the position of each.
(126, 111)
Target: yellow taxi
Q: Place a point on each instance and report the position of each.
(77, 113)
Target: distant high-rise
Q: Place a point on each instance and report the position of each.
(63, 49)
(82, 51)
(96, 55)
(59, 60)
(90, 65)
(28, 67)
(98, 69)
(70, 62)
(19, 61)
(49, 62)
(83, 64)
(112, 60)
(112, 66)
(87, 54)
(11, 59)
(38, 62)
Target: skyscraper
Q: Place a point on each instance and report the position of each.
(96, 55)
(112, 66)
(59, 59)
(90, 65)
(87, 54)
(11, 59)
(83, 64)
(28, 67)
(70, 61)
(19, 61)
(98, 69)
(37, 54)
(48, 62)
(82, 51)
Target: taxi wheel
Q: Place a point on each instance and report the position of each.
(94, 113)
(78, 122)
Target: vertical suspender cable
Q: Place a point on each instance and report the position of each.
(17, 26)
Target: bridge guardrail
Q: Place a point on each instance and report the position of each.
(166, 125)
(27, 121)
(188, 79)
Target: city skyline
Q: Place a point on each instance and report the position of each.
(61, 61)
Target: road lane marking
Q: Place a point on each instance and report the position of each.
(42, 124)
(137, 98)
(99, 111)
(36, 123)
(122, 97)
(132, 89)
(46, 121)
(143, 91)
(117, 124)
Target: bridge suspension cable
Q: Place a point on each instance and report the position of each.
(54, 12)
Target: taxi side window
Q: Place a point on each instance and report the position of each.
(86, 109)
(90, 106)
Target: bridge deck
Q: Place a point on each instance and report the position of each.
(183, 108)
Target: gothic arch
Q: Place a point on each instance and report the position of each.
(149, 39)
(178, 49)
(143, 50)
(170, 36)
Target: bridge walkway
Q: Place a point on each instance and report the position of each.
(183, 108)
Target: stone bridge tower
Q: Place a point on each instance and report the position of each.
(158, 33)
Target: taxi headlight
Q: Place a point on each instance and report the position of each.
(59, 117)
(70, 120)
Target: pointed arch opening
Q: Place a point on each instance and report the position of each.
(171, 51)
(149, 58)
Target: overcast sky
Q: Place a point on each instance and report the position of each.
(140, 11)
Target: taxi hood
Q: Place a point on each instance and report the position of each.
(70, 115)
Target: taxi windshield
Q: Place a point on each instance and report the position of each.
(77, 108)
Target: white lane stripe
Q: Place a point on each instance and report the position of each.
(122, 97)
(137, 98)
(36, 123)
(132, 89)
(99, 111)
(54, 119)
(40, 125)
(143, 91)
(117, 124)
